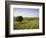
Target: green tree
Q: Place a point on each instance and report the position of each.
(19, 19)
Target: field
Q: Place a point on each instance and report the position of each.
(27, 23)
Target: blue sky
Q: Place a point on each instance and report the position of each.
(26, 12)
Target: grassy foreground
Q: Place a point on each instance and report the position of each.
(32, 24)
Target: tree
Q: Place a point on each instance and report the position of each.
(19, 18)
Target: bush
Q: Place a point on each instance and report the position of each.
(19, 18)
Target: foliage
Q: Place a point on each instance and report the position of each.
(19, 18)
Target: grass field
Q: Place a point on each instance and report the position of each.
(32, 24)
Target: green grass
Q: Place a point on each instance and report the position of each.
(33, 24)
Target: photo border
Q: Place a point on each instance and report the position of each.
(7, 17)
(25, 30)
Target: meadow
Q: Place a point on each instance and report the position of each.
(27, 23)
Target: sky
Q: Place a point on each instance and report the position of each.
(26, 12)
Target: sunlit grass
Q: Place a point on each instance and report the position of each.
(33, 24)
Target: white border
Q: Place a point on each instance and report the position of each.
(29, 30)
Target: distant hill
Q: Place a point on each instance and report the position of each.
(28, 18)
